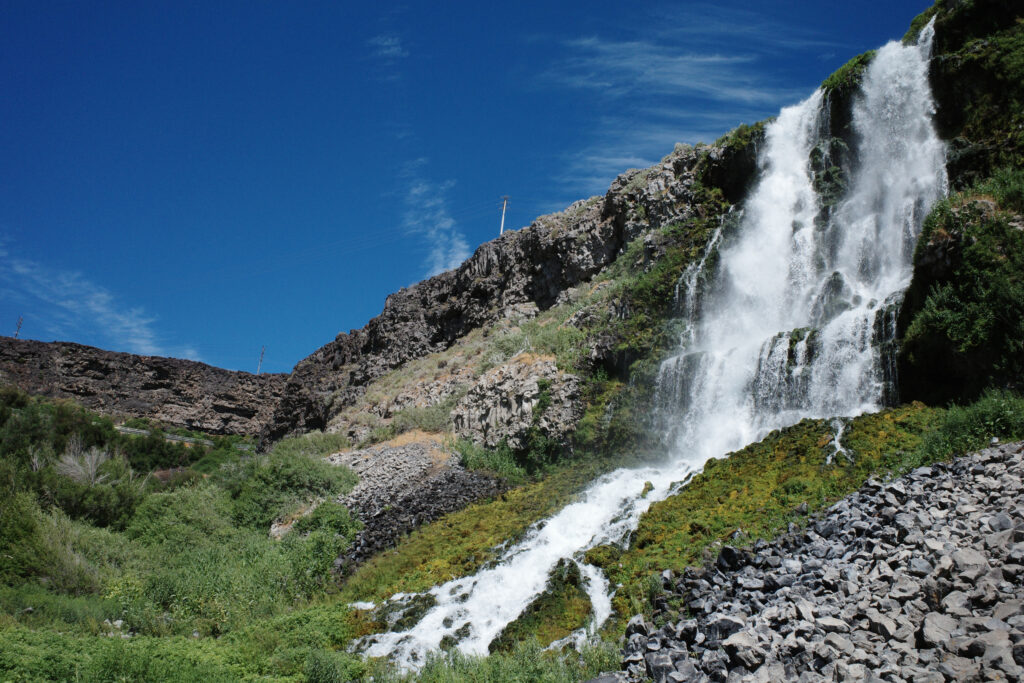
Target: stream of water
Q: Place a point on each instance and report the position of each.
(788, 325)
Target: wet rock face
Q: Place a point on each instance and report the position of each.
(177, 392)
(403, 486)
(506, 402)
(530, 267)
(919, 579)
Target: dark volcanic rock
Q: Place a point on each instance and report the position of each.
(924, 596)
(403, 486)
(177, 392)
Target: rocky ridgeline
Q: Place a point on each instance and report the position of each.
(920, 579)
(529, 267)
(403, 486)
(177, 392)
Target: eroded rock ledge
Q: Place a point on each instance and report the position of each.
(920, 579)
(177, 392)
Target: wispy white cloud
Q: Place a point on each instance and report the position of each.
(66, 305)
(428, 216)
(387, 46)
(689, 73)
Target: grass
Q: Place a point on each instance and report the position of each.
(460, 543)
(500, 461)
(755, 492)
(847, 78)
(561, 609)
(526, 663)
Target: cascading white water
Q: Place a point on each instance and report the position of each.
(788, 329)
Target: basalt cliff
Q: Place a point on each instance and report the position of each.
(177, 392)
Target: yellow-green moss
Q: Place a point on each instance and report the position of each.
(756, 492)
(460, 543)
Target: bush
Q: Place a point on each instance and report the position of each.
(1007, 187)
(311, 445)
(435, 418)
(329, 516)
(267, 488)
(500, 460)
(967, 319)
(964, 429)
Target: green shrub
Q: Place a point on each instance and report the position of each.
(311, 445)
(968, 319)
(324, 667)
(963, 429)
(269, 487)
(848, 77)
(329, 516)
(35, 606)
(500, 460)
(20, 541)
(1007, 187)
(435, 418)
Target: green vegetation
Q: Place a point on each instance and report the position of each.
(500, 461)
(969, 319)
(556, 613)
(265, 488)
(460, 543)
(86, 541)
(743, 135)
(526, 663)
(757, 491)
(846, 79)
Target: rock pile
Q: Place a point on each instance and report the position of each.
(920, 579)
(402, 486)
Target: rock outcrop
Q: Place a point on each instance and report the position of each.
(403, 484)
(919, 579)
(177, 392)
(529, 267)
(509, 400)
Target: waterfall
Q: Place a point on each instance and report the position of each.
(790, 325)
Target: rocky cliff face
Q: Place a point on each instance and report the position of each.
(177, 392)
(977, 77)
(507, 401)
(530, 267)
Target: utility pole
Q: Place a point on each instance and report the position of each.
(259, 366)
(21, 319)
(503, 207)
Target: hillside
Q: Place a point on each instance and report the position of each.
(586, 434)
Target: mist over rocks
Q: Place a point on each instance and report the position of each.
(917, 579)
(177, 392)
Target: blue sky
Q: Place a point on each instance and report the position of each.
(201, 179)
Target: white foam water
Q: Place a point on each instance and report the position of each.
(790, 327)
